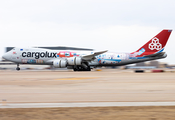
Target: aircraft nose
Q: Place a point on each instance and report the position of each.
(5, 56)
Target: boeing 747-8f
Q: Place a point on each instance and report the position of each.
(84, 61)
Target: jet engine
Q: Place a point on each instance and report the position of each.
(74, 61)
(60, 63)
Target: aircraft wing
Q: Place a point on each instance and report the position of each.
(92, 56)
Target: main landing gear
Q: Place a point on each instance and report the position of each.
(17, 67)
(80, 68)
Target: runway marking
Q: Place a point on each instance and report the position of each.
(76, 78)
(85, 104)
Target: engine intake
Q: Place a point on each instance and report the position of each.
(60, 63)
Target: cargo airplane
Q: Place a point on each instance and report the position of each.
(85, 60)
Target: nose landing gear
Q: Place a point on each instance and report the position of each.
(17, 67)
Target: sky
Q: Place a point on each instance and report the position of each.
(114, 25)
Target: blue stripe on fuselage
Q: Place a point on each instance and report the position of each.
(118, 60)
(137, 57)
(160, 50)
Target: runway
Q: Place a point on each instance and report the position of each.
(106, 94)
(106, 86)
(90, 104)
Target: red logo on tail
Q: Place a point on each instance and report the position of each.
(155, 44)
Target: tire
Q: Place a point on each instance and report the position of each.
(17, 68)
(88, 69)
(75, 69)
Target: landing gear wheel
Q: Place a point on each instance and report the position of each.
(17, 67)
(75, 69)
(88, 69)
(81, 69)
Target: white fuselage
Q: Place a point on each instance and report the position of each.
(47, 57)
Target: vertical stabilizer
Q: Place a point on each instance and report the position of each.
(155, 45)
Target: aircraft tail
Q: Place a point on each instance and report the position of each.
(155, 45)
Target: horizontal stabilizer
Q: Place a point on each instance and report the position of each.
(155, 55)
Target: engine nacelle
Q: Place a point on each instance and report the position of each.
(59, 63)
(74, 61)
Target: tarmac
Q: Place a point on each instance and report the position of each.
(90, 104)
(110, 87)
